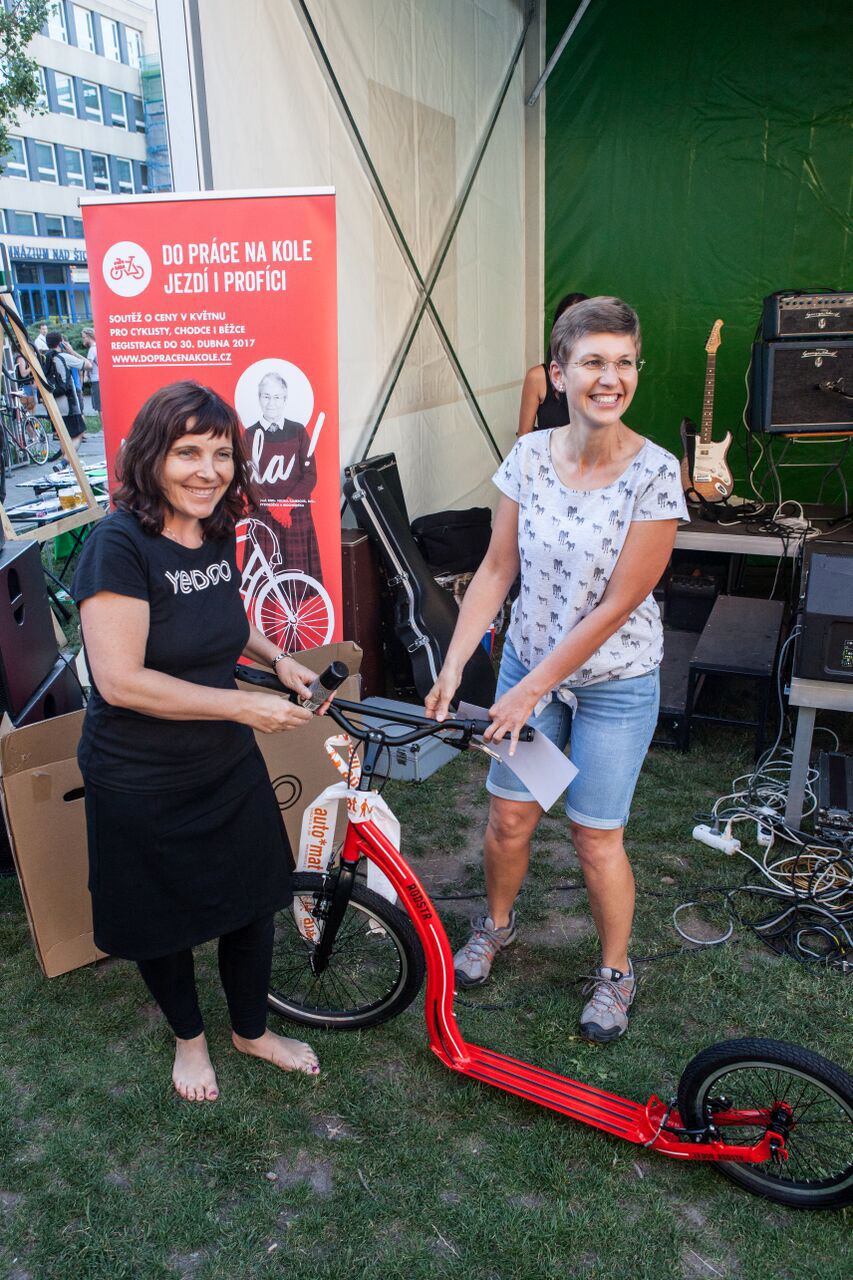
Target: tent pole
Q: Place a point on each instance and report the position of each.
(425, 287)
(557, 54)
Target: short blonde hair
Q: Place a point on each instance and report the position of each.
(595, 315)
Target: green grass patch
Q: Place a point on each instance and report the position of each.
(388, 1164)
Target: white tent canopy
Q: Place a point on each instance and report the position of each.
(415, 113)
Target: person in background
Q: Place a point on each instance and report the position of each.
(588, 515)
(58, 362)
(88, 336)
(186, 839)
(542, 406)
(26, 381)
(40, 340)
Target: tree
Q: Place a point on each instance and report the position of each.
(19, 81)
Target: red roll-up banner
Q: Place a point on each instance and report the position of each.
(238, 291)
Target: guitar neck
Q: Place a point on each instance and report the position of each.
(708, 400)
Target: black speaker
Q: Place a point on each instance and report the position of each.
(825, 642)
(59, 694)
(819, 314)
(27, 641)
(801, 388)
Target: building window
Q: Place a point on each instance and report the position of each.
(53, 225)
(84, 28)
(117, 108)
(2, 221)
(124, 173)
(16, 159)
(143, 177)
(100, 172)
(134, 46)
(22, 224)
(45, 158)
(74, 173)
(56, 28)
(41, 100)
(74, 228)
(109, 34)
(138, 115)
(91, 101)
(64, 94)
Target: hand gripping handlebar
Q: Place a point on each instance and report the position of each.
(340, 711)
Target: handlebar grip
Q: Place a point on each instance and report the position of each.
(525, 734)
(324, 684)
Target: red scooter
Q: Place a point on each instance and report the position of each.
(774, 1118)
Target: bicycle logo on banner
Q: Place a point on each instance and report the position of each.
(126, 268)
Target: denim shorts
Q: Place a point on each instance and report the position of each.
(608, 735)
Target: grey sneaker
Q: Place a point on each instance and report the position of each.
(472, 963)
(611, 994)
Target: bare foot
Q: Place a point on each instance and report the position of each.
(290, 1055)
(193, 1075)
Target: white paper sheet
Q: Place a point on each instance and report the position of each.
(541, 766)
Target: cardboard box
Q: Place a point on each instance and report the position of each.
(42, 795)
(298, 765)
(45, 816)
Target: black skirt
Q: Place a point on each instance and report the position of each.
(173, 869)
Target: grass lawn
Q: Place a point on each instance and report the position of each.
(388, 1165)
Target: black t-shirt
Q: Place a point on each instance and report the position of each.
(198, 630)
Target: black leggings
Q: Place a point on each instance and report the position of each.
(245, 963)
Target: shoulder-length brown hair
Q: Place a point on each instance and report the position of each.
(183, 408)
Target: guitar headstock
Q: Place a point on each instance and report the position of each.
(714, 339)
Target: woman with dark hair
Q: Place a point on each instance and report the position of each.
(588, 515)
(186, 841)
(542, 405)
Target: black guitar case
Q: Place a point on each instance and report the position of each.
(424, 614)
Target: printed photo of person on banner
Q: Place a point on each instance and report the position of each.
(285, 473)
(283, 580)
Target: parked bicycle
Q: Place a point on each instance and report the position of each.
(24, 437)
(772, 1117)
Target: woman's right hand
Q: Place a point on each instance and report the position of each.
(269, 713)
(438, 699)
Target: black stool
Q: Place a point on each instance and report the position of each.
(741, 638)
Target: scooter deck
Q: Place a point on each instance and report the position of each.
(594, 1106)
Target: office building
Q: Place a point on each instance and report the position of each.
(102, 130)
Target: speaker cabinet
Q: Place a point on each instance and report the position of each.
(27, 641)
(59, 695)
(802, 388)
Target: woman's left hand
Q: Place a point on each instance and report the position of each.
(510, 714)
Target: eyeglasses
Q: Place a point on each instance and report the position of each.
(596, 366)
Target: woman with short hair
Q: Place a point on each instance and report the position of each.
(186, 841)
(588, 516)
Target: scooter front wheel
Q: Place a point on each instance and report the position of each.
(812, 1100)
(375, 969)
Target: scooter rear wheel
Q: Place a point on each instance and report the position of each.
(751, 1073)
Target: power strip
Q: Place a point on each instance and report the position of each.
(797, 524)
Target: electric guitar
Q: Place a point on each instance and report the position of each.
(704, 468)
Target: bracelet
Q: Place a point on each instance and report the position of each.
(278, 657)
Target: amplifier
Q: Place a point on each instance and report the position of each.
(817, 314)
(825, 642)
(834, 814)
(801, 388)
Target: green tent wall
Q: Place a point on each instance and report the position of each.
(698, 158)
